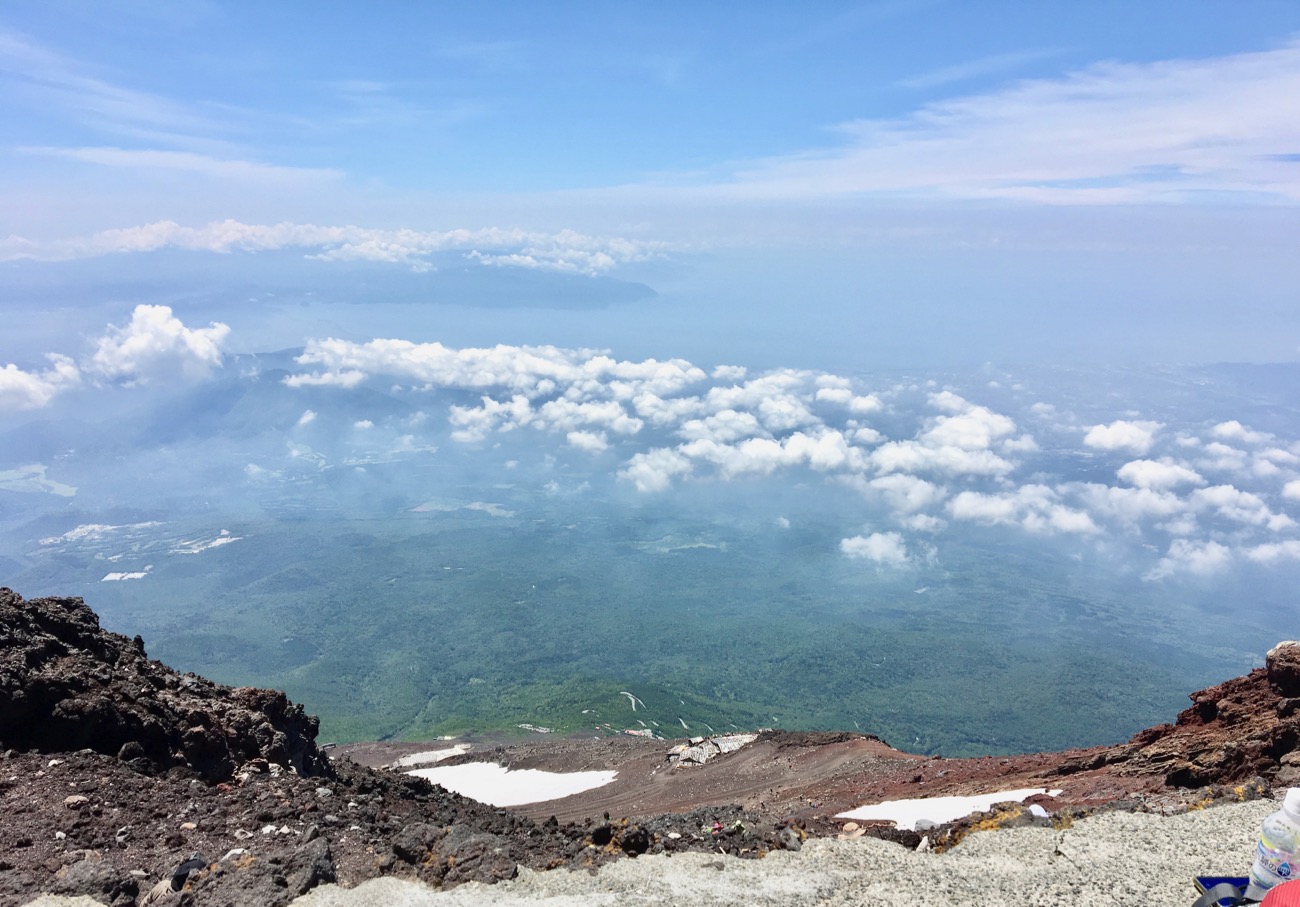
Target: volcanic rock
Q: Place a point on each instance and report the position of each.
(66, 685)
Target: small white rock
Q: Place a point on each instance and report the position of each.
(268, 829)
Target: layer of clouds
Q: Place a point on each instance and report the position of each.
(924, 460)
(153, 346)
(565, 250)
(923, 463)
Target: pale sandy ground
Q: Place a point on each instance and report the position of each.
(1113, 859)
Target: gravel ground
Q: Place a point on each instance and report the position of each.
(1112, 859)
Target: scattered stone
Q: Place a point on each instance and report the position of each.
(76, 801)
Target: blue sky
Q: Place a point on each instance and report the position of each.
(1019, 161)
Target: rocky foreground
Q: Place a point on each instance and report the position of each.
(130, 783)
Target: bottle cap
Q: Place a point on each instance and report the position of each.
(1291, 805)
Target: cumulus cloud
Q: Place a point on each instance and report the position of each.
(1272, 552)
(32, 390)
(1235, 431)
(590, 441)
(1158, 474)
(905, 494)
(1220, 457)
(1240, 506)
(1131, 506)
(722, 427)
(156, 344)
(1035, 508)
(1187, 556)
(883, 548)
(1291, 490)
(565, 250)
(655, 470)
(1136, 437)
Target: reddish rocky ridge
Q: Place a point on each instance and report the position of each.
(116, 770)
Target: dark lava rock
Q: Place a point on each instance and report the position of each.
(634, 841)
(96, 879)
(66, 685)
(1283, 668)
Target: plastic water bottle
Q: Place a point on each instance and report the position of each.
(1279, 841)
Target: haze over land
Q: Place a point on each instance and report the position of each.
(920, 367)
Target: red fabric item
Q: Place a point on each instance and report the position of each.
(1285, 895)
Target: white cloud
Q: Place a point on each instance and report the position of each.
(1291, 490)
(975, 429)
(566, 415)
(156, 344)
(729, 373)
(1131, 505)
(868, 403)
(234, 170)
(824, 451)
(31, 390)
(473, 424)
(564, 250)
(1240, 506)
(660, 411)
(307, 418)
(914, 456)
(884, 548)
(1272, 552)
(530, 370)
(905, 493)
(1158, 474)
(363, 424)
(838, 395)
(1196, 558)
(1109, 133)
(1223, 458)
(922, 522)
(1032, 507)
(1122, 435)
(1235, 431)
(724, 427)
(655, 470)
(591, 442)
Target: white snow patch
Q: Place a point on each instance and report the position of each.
(492, 784)
(119, 577)
(194, 546)
(906, 813)
(429, 756)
